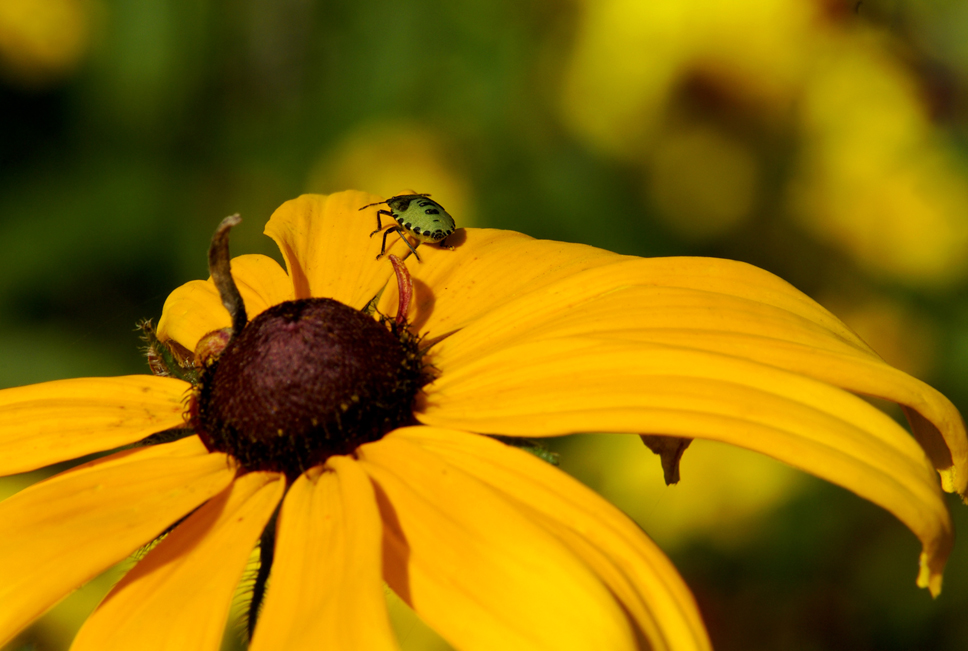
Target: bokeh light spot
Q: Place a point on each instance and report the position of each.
(386, 158)
(703, 182)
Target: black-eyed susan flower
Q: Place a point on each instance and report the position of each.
(353, 448)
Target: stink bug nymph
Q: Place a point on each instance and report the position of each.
(417, 215)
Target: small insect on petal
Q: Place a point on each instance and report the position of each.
(416, 215)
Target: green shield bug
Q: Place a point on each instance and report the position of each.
(417, 215)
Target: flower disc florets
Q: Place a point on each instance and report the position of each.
(305, 380)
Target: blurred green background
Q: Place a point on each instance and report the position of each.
(823, 140)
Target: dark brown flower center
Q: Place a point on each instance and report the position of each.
(305, 380)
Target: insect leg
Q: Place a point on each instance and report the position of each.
(409, 245)
(379, 224)
(383, 249)
(398, 231)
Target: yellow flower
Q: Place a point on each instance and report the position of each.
(491, 546)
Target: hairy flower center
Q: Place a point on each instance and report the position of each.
(305, 380)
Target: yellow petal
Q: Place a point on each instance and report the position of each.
(486, 269)
(45, 423)
(195, 309)
(178, 596)
(58, 534)
(326, 242)
(635, 570)
(725, 307)
(490, 268)
(326, 586)
(565, 385)
(476, 567)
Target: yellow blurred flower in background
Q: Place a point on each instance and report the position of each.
(630, 59)
(704, 182)
(875, 177)
(41, 41)
(724, 497)
(872, 176)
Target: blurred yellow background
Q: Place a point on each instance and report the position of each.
(824, 140)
